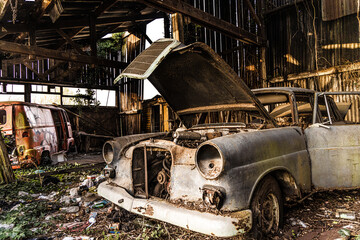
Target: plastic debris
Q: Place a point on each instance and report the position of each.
(39, 171)
(35, 195)
(7, 226)
(100, 204)
(65, 199)
(344, 232)
(52, 216)
(72, 227)
(302, 224)
(91, 177)
(15, 208)
(74, 192)
(72, 209)
(114, 227)
(88, 183)
(23, 194)
(92, 219)
(345, 214)
(99, 179)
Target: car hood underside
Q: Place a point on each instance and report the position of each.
(192, 79)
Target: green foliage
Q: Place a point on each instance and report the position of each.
(116, 43)
(26, 219)
(156, 232)
(88, 99)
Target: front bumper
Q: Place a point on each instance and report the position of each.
(207, 223)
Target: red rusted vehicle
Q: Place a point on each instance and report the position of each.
(34, 132)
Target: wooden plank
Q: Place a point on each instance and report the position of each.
(60, 55)
(328, 71)
(206, 19)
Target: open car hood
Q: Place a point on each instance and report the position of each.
(193, 79)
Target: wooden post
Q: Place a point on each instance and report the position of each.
(262, 48)
(6, 172)
(27, 92)
(32, 41)
(166, 26)
(92, 26)
(178, 26)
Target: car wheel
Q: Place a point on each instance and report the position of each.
(267, 208)
(45, 158)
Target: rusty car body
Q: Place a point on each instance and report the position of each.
(35, 132)
(211, 178)
(227, 178)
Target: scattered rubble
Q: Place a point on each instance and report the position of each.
(72, 210)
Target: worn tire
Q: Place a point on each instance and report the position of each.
(267, 208)
(45, 158)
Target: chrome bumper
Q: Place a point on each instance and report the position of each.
(207, 223)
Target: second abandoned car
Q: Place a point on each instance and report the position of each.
(227, 178)
(35, 132)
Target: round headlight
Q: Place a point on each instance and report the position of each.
(109, 152)
(209, 161)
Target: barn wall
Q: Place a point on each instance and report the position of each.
(243, 58)
(298, 42)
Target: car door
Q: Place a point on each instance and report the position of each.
(334, 147)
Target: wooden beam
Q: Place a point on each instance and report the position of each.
(59, 84)
(104, 6)
(73, 33)
(55, 54)
(206, 20)
(328, 71)
(70, 41)
(253, 13)
(76, 22)
(45, 7)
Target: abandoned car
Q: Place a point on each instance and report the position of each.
(226, 178)
(34, 133)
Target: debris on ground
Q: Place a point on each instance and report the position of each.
(68, 207)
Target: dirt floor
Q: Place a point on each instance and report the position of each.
(59, 205)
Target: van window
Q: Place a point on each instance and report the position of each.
(2, 117)
(38, 117)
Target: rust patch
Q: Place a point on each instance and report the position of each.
(149, 210)
(242, 226)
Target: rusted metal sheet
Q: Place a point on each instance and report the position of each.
(333, 9)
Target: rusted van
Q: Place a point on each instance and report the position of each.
(34, 132)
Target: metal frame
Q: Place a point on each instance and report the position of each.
(316, 96)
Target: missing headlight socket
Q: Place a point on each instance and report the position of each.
(213, 197)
